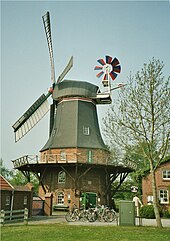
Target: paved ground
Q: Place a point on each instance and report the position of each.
(61, 219)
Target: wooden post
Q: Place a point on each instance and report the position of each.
(25, 216)
(2, 217)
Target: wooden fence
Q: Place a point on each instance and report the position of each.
(14, 216)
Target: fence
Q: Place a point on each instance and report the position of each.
(14, 216)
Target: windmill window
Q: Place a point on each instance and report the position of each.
(60, 198)
(7, 200)
(166, 174)
(63, 156)
(86, 130)
(163, 196)
(25, 200)
(61, 177)
(89, 156)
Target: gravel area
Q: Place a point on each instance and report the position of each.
(61, 219)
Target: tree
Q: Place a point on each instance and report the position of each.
(16, 177)
(19, 179)
(140, 117)
(5, 172)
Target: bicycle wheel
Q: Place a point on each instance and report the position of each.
(83, 216)
(115, 217)
(109, 217)
(91, 216)
(70, 217)
(100, 217)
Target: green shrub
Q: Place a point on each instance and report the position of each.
(147, 211)
(166, 213)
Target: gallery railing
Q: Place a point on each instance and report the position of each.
(72, 158)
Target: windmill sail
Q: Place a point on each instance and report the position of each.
(40, 107)
(65, 71)
(31, 117)
(47, 27)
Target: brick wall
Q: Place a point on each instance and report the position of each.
(160, 183)
(79, 179)
(75, 155)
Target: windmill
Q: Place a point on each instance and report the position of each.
(40, 107)
(75, 162)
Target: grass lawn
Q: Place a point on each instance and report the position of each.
(64, 232)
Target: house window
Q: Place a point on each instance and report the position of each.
(25, 200)
(149, 199)
(61, 177)
(163, 196)
(166, 174)
(7, 200)
(86, 130)
(60, 198)
(62, 156)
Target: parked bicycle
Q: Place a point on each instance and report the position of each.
(72, 215)
(100, 213)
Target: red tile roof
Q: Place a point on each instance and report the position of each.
(21, 188)
(4, 184)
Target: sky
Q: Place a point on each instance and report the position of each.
(132, 31)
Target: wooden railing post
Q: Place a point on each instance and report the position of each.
(2, 217)
(26, 216)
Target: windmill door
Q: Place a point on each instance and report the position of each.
(88, 199)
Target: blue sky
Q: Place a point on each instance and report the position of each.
(133, 31)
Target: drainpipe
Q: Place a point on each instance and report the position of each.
(12, 204)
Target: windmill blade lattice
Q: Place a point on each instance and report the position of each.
(47, 27)
(41, 106)
(31, 117)
(110, 67)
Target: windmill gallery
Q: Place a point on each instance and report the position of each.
(74, 165)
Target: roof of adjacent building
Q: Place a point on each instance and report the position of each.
(21, 188)
(5, 185)
(165, 161)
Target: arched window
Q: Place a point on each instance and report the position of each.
(60, 198)
(61, 177)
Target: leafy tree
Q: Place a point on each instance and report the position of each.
(16, 177)
(124, 192)
(5, 172)
(135, 153)
(140, 117)
(20, 179)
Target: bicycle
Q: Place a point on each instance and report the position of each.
(72, 215)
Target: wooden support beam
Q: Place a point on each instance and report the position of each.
(122, 178)
(27, 175)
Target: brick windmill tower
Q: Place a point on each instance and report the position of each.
(74, 164)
